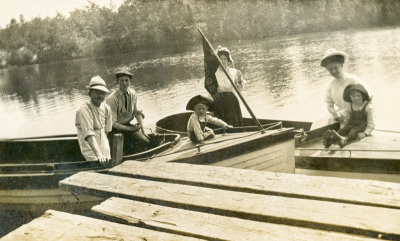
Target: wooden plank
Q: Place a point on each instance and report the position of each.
(281, 153)
(117, 149)
(351, 175)
(209, 226)
(331, 216)
(365, 192)
(40, 200)
(54, 225)
(336, 163)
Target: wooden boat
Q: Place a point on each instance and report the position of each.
(30, 169)
(240, 147)
(375, 157)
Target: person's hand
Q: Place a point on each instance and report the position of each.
(361, 135)
(339, 119)
(228, 126)
(135, 127)
(104, 161)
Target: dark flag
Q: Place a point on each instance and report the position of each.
(211, 65)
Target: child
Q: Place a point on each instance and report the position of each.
(359, 121)
(196, 126)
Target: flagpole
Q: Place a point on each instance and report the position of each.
(233, 84)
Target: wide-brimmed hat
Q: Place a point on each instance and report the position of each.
(200, 99)
(120, 73)
(223, 50)
(97, 83)
(333, 55)
(359, 87)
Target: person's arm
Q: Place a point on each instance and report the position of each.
(370, 120)
(112, 102)
(218, 122)
(346, 115)
(85, 119)
(331, 104)
(238, 80)
(96, 149)
(109, 120)
(194, 126)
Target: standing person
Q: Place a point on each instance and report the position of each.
(333, 61)
(360, 117)
(123, 104)
(226, 103)
(93, 122)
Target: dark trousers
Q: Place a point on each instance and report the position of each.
(134, 142)
(351, 131)
(227, 108)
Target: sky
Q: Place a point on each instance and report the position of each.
(33, 8)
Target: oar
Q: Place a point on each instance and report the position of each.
(233, 84)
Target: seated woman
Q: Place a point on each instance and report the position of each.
(197, 125)
(333, 61)
(360, 117)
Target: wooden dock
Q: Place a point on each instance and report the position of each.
(176, 201)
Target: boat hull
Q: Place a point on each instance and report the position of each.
(27, 180)
(272, 150)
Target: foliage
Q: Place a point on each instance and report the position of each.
(157, 25)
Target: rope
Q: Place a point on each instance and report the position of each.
(211, 143)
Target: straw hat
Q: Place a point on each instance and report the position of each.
(97, 83)
(349, 88)
(123, 73)
(200, 99)
(333, 55)
(223, 50)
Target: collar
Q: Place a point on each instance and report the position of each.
(122, 93)
(93, 106)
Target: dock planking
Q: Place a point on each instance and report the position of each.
(208, 226)
(55, 225)
(347, 218)
(368, 192)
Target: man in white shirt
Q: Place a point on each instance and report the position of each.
(93, 122)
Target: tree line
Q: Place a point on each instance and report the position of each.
(170, 26)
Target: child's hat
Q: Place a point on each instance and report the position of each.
(333, 55)
(349, 88)
(200, 99)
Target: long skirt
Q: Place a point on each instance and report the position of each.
(227, 108)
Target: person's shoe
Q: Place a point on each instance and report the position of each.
(327, 138)
(339, 140)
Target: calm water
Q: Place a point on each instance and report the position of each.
(283, 74)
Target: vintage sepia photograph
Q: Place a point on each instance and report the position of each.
(200, 120)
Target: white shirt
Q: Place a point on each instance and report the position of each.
(95, 121)
(223, 82)
(334, 93)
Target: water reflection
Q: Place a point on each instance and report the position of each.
(283, 74)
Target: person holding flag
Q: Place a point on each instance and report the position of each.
(226, 103)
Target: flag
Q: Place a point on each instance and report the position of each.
(211, 65)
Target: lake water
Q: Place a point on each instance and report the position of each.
(283, 75)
